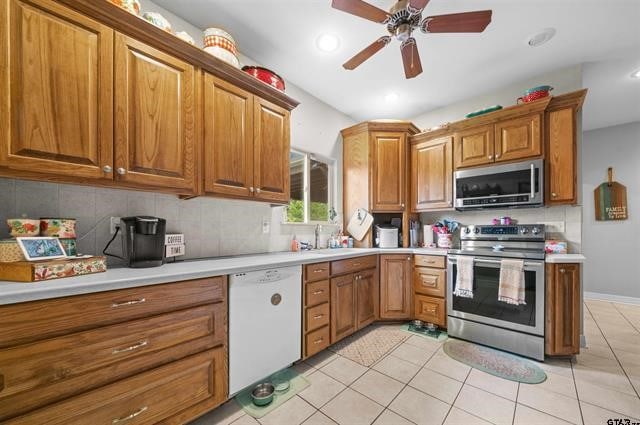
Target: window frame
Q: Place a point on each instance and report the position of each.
(306, 193)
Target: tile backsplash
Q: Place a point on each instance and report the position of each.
(569, 216)
(212, 226)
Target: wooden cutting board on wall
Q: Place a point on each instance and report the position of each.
(611, 200)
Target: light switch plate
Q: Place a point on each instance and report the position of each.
(553, 226)
(266, 225)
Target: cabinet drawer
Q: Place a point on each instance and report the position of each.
(353, 264)
(429, 281)
(25, 322)
(49, 370)
(316, 341)
(316, 293)
(436, 261)
(147, 398)
(317, 271)
(317, 316)
(430, 309)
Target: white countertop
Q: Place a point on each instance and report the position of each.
(565, 258)
(123, 277)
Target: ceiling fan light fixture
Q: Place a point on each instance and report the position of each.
(636, 74)
(542, 37)
(328, 42)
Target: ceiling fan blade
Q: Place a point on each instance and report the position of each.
(457, 22)
(361, 9)
(411, 58)
(367, 52)
(416, 6)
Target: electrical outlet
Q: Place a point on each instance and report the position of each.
(115, 222)
(266, 225)
(553, 226)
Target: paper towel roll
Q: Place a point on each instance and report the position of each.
(427, 235)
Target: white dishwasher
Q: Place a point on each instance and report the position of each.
(265, 324)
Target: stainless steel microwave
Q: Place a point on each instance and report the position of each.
(518, 184)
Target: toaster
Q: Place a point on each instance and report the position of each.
(386, 236)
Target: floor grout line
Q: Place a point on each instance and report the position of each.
(575, 386)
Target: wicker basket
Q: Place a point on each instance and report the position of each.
(10, 251)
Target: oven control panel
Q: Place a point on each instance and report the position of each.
(511, 232)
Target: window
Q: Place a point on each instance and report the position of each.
(311, 188)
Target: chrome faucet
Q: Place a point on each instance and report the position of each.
(317, 233)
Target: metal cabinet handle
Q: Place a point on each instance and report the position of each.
(490, 156)
(356, 264)
(408, 258)
(562, 270)
(318, 341)
(121, 171)
(318, 271)
(553, 194)
(258, 190)
(319, 316)
(107, 169)
(401, 205)
(131, 348)
(498, 155)
(318, 292)
(131, 416)
(125, 303)
(251, 189)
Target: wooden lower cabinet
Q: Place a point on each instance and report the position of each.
(430, 289)
(563, 309)
(343, 307)
(395, 286)
(431, 309)
(155, 354)
(367, 297)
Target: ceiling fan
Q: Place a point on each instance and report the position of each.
(403, 18)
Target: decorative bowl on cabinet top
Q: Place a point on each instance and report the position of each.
(131, 6)
(158, 20)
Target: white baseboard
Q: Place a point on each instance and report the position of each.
(612, 298)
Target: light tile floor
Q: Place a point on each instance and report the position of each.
(416, 383)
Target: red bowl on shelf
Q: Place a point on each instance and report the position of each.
(535, 94)
(265, 75)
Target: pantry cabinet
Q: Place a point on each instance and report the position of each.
(56, 83)
(156, 139)
(388, 172)
(431, 173)
(563, 309)
(395, 286)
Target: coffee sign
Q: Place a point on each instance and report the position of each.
(611, 200)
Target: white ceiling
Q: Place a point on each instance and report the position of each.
(281, 35)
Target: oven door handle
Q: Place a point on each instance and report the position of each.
(533, 180)
(453, 260)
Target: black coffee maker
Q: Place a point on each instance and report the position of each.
(143, 241)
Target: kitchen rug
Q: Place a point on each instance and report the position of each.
(297, 383)
(497, 363)
(370, 344)
(442, 335)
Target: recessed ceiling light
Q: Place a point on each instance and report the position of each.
(542, 37)
(636, 74)
(327, 42)
(391, 97)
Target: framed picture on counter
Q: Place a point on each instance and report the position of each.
(41, 248)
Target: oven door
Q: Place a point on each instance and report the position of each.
(517, 184)
(484, 307)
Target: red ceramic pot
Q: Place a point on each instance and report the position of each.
(265, 75)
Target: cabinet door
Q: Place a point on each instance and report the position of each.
(228, 138)
(519, 138)
(431, 310)
(56, 83)
(156, 139)
(432, 174)
(367, 297)
(388, 171)
(395, 286)
(343, 307)
(561, 157)
(563, 309)
(271, 151)
(474, 147)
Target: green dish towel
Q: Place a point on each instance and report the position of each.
(297, 383)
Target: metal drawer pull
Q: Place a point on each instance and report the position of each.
(318, 270)
(562, 270)
(318, 292)
(131, 416)
(319, 316)
(132, 302)
(318, 341)
(131, 348)
(356, 264)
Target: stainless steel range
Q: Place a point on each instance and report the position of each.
(483, 318)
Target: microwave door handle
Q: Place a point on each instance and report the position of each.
(533, 181)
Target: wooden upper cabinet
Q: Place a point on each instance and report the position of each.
(56, 68)
(563, 300)
(271, 138)
(156, 140)
(343, 307)
(432, 174)
(228, 138)
(367, 297)
(395, 286)
(474, 147)
(518, 138)
(388, 171)
(561, 173)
